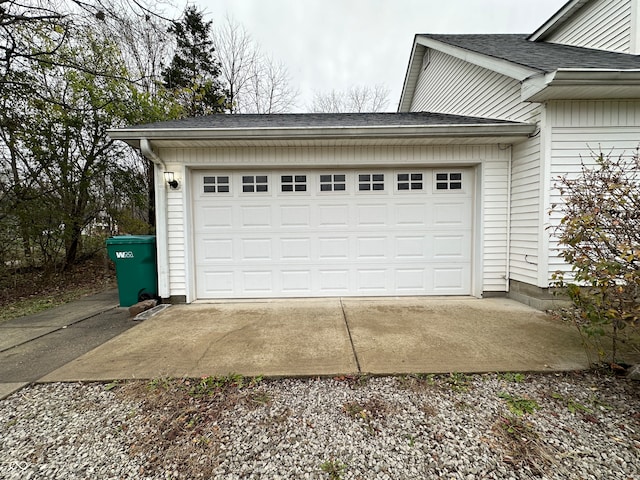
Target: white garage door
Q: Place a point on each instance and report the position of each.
(371, 232)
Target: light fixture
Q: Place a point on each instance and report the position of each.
(173, 183)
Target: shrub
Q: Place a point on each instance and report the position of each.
(599, 237)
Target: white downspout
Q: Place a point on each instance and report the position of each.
(161, 219)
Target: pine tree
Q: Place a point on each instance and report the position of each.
(194, 72)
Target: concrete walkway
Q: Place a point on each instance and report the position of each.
(35, 345)
(334, 336)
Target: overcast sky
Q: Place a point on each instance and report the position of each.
(335, 44)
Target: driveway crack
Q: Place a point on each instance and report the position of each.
(353, 348)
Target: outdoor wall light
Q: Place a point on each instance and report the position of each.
(173, 183)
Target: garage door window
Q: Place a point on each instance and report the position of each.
(216, 184)
(449, 181)
(410, 181)
(333, 183)
(370, 181)
(293, 183)
(254, 183)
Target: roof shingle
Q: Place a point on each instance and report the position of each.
(319, 120)
(542, 56)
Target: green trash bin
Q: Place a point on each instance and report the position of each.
(136, 270)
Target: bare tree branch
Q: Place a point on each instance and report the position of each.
(356, 99)
(255, 83)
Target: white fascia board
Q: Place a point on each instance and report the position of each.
(504, 67)
(565, 12)
(545, 87)
(133, 136)
(410, 79)
(634, 45)
(532, 87)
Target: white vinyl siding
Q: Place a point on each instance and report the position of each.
(494, 219)
(577, 128)
(176, 229)
(450, 85)
(525, 211)
(493, 185)
(602, 25)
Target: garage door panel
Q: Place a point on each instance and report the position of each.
(295, 249)
(451, 213)
(333, 281)
(333, 248)
(255, 216)
(344, 243)
(256, 249)
(451, 247)
(296, 281)
(411, 247)
(219, 282)
(410, 280)
(450, 279)
(334, 215)
(372, 280)
(372, 215)
(295, 216)
(214, 218)
(257, 281)
(372, 247)
(412, 214)
(217, 249)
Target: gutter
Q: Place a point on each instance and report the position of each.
(132, 135)
(553, 85)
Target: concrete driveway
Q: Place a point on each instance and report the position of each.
(332, 337)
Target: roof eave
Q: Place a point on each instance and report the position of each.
(500, 65)
(582, 84)
(133, 136)
(410, 79)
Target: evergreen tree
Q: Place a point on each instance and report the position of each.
(193, 74)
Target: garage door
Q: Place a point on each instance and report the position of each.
(371, 232)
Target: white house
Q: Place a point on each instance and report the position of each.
(449, 196)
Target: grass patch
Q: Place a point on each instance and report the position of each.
(519, 405)
(31, 290)
(572, 405)
(333, 468)
(458, 382)
(29, 306)
(512, 377)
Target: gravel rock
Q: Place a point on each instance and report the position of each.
(578, 426)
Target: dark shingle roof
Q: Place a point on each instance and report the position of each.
(542, 56)
(319, 120)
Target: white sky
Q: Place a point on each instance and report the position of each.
(335, 44)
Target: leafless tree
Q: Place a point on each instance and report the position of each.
(238, 57)
(356, 99)
(144, 42)
(255, 82)
(270, 89)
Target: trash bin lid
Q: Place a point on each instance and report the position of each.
(131, 239)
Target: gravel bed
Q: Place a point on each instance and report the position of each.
(580, 425)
